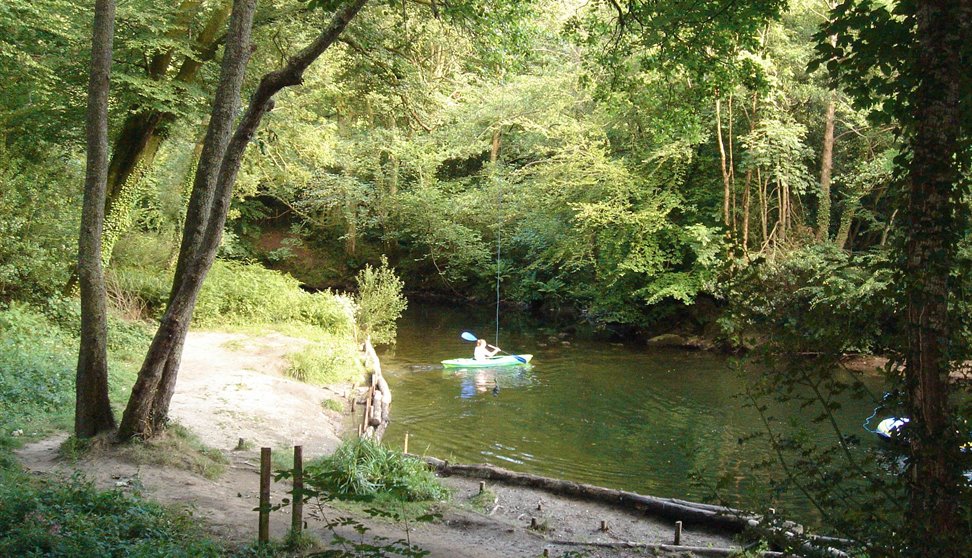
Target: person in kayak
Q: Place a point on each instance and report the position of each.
(484, 351)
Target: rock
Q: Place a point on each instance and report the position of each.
(667, 340)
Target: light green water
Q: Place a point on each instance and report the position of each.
(603, 413)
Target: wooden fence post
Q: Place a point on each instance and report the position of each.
(264, 535)
(297, 509)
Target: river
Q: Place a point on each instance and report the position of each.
(659, 422)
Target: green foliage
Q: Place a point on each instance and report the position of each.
(36, 372)
(362, 470)
(39, 222)
(331, 360)
(379, 302)
(818, 299)
(71, 518)
(244, 293)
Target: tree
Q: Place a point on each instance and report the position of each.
(219, 164)
(92, 413)
(907, 60)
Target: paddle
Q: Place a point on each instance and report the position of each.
(470, 336)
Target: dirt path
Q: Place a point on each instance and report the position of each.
(232, 386)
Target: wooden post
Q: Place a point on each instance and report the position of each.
(604, 526)
(297, 505)
(533, 523)
(546, 552)
(405, 449)
(678, 533)
(264, 536)
(482, 486)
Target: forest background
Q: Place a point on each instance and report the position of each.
(646, 170)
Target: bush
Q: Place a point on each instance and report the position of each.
(379, 303)
(817, 299)
(325, 363)
(246, 293)
(73, 519)
(36, 368)
(361, 470)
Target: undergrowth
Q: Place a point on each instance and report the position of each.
(361, 470)
(69, 517)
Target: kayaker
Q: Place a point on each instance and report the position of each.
(484, 351)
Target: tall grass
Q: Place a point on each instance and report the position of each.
(361, 469)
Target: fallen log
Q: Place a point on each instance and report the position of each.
(692, 550)
(701, 515)
(698, 514)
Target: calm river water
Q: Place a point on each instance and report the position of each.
(609, 414)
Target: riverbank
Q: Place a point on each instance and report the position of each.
(232, 387)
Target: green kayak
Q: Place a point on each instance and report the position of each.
(492, 362)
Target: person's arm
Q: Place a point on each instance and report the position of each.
(492, 350)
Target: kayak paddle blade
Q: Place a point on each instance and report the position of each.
(468, 336)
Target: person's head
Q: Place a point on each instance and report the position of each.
(480, 342)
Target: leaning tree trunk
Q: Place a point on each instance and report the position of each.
(92, 412)
(933, 203)
(139, 418)
(208, 208)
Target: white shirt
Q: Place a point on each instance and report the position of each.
(481, 353)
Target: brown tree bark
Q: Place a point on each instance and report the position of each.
(826, 168)
(141, 418)
(933, 202)
(92, 412)
(209, 205)
(726, 186)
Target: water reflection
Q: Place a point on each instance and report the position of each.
(476, 381)
(613, 415)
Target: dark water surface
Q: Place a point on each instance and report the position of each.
(609, 414)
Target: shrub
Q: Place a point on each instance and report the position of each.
(379, 303)
(36, 371)
(246, 293)
(327, 362)
(361, 469)
(71, 518)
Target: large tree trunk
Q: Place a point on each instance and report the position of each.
(826, 168)
(140, 418)
(92, 412)
(933, 203)
(209, 206)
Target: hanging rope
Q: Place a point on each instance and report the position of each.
(499, 228)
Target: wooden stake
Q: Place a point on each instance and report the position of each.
(533, 523)
(297, 505)
(264, 532)
(546, 553)
(482, 486)
(678, 533)
(405, 449)
(604, 526)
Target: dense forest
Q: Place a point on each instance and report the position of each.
(789, 176)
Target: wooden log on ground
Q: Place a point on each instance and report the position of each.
(726, 519)
(680, 550)
(378, 401)
(705, 515)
